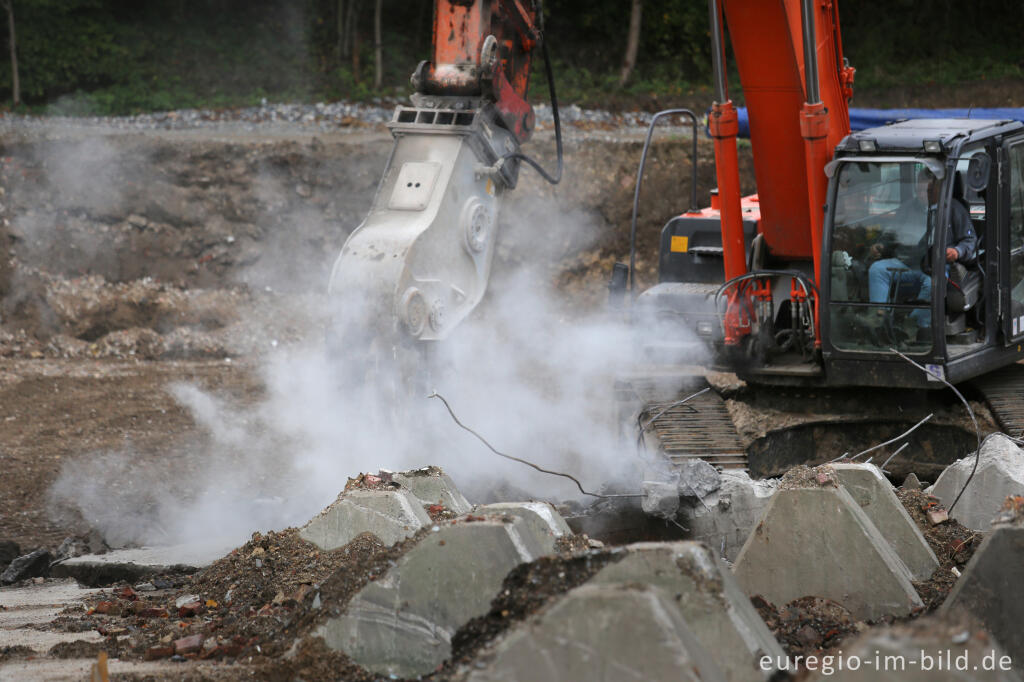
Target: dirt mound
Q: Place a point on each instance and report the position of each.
(953, 544)
(253, 605)
(808, 624)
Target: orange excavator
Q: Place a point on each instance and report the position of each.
(797, 292)
(835, 274)
(889, 257)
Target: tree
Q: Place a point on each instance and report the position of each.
(378, 47)
(632, 42)
(15, 82)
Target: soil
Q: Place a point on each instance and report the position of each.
(252, 606)
(952, 543)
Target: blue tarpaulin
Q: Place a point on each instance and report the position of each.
(869, 118)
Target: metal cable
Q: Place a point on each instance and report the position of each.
(977, 430)
(523, 461)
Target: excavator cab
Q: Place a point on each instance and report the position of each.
(895, 193)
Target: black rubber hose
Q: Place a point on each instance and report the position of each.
(519, 156)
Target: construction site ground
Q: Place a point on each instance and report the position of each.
(134, 263)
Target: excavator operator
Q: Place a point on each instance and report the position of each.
(894, 277)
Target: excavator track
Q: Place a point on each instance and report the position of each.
(1003, 390)
(700, 428)
(680, 422)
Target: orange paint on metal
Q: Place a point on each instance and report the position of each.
(766, 40)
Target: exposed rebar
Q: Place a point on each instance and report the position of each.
(888, 442)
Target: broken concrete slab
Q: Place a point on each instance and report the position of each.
(392, 515)
(660, 499)
(600, 632)
(818, 541)
(402, 623)
(875, 495)
(1000, 474)
(935, 648)
(133, 564)
(708, 598)
(432, 486)
(724, 519)
(990, 586)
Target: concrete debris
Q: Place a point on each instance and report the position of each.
(134, 565)
(707, 597)
(946, 648)
(698, 479)
(875, 495)
(990, 584)
(402, 623)
(1000, 473)
(71, 547)
(911, 482)
(937, 515)
(725, 518)
(660, 499)
(30, 565)
(818, 541)
(636, 629)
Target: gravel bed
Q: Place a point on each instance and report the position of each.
(321, 116)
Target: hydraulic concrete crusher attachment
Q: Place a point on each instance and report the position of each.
(420, 261)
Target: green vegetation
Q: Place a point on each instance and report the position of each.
(119, 56)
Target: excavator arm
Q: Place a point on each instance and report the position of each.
(420, 261)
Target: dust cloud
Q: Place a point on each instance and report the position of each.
(526, 371)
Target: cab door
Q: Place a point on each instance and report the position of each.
(1011, 244)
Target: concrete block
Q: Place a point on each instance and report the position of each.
(708, 598)
(390, 514)
(432, 486)
(817, 541)
(600, 632)
(542, 518)
(946, 648)
(990, 586)
(727, 516)
(875, 495)
(402, 623)
(1000, 474)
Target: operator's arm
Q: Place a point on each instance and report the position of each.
(963, 242)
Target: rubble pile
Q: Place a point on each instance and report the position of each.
(503, 591)
(952, 544)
